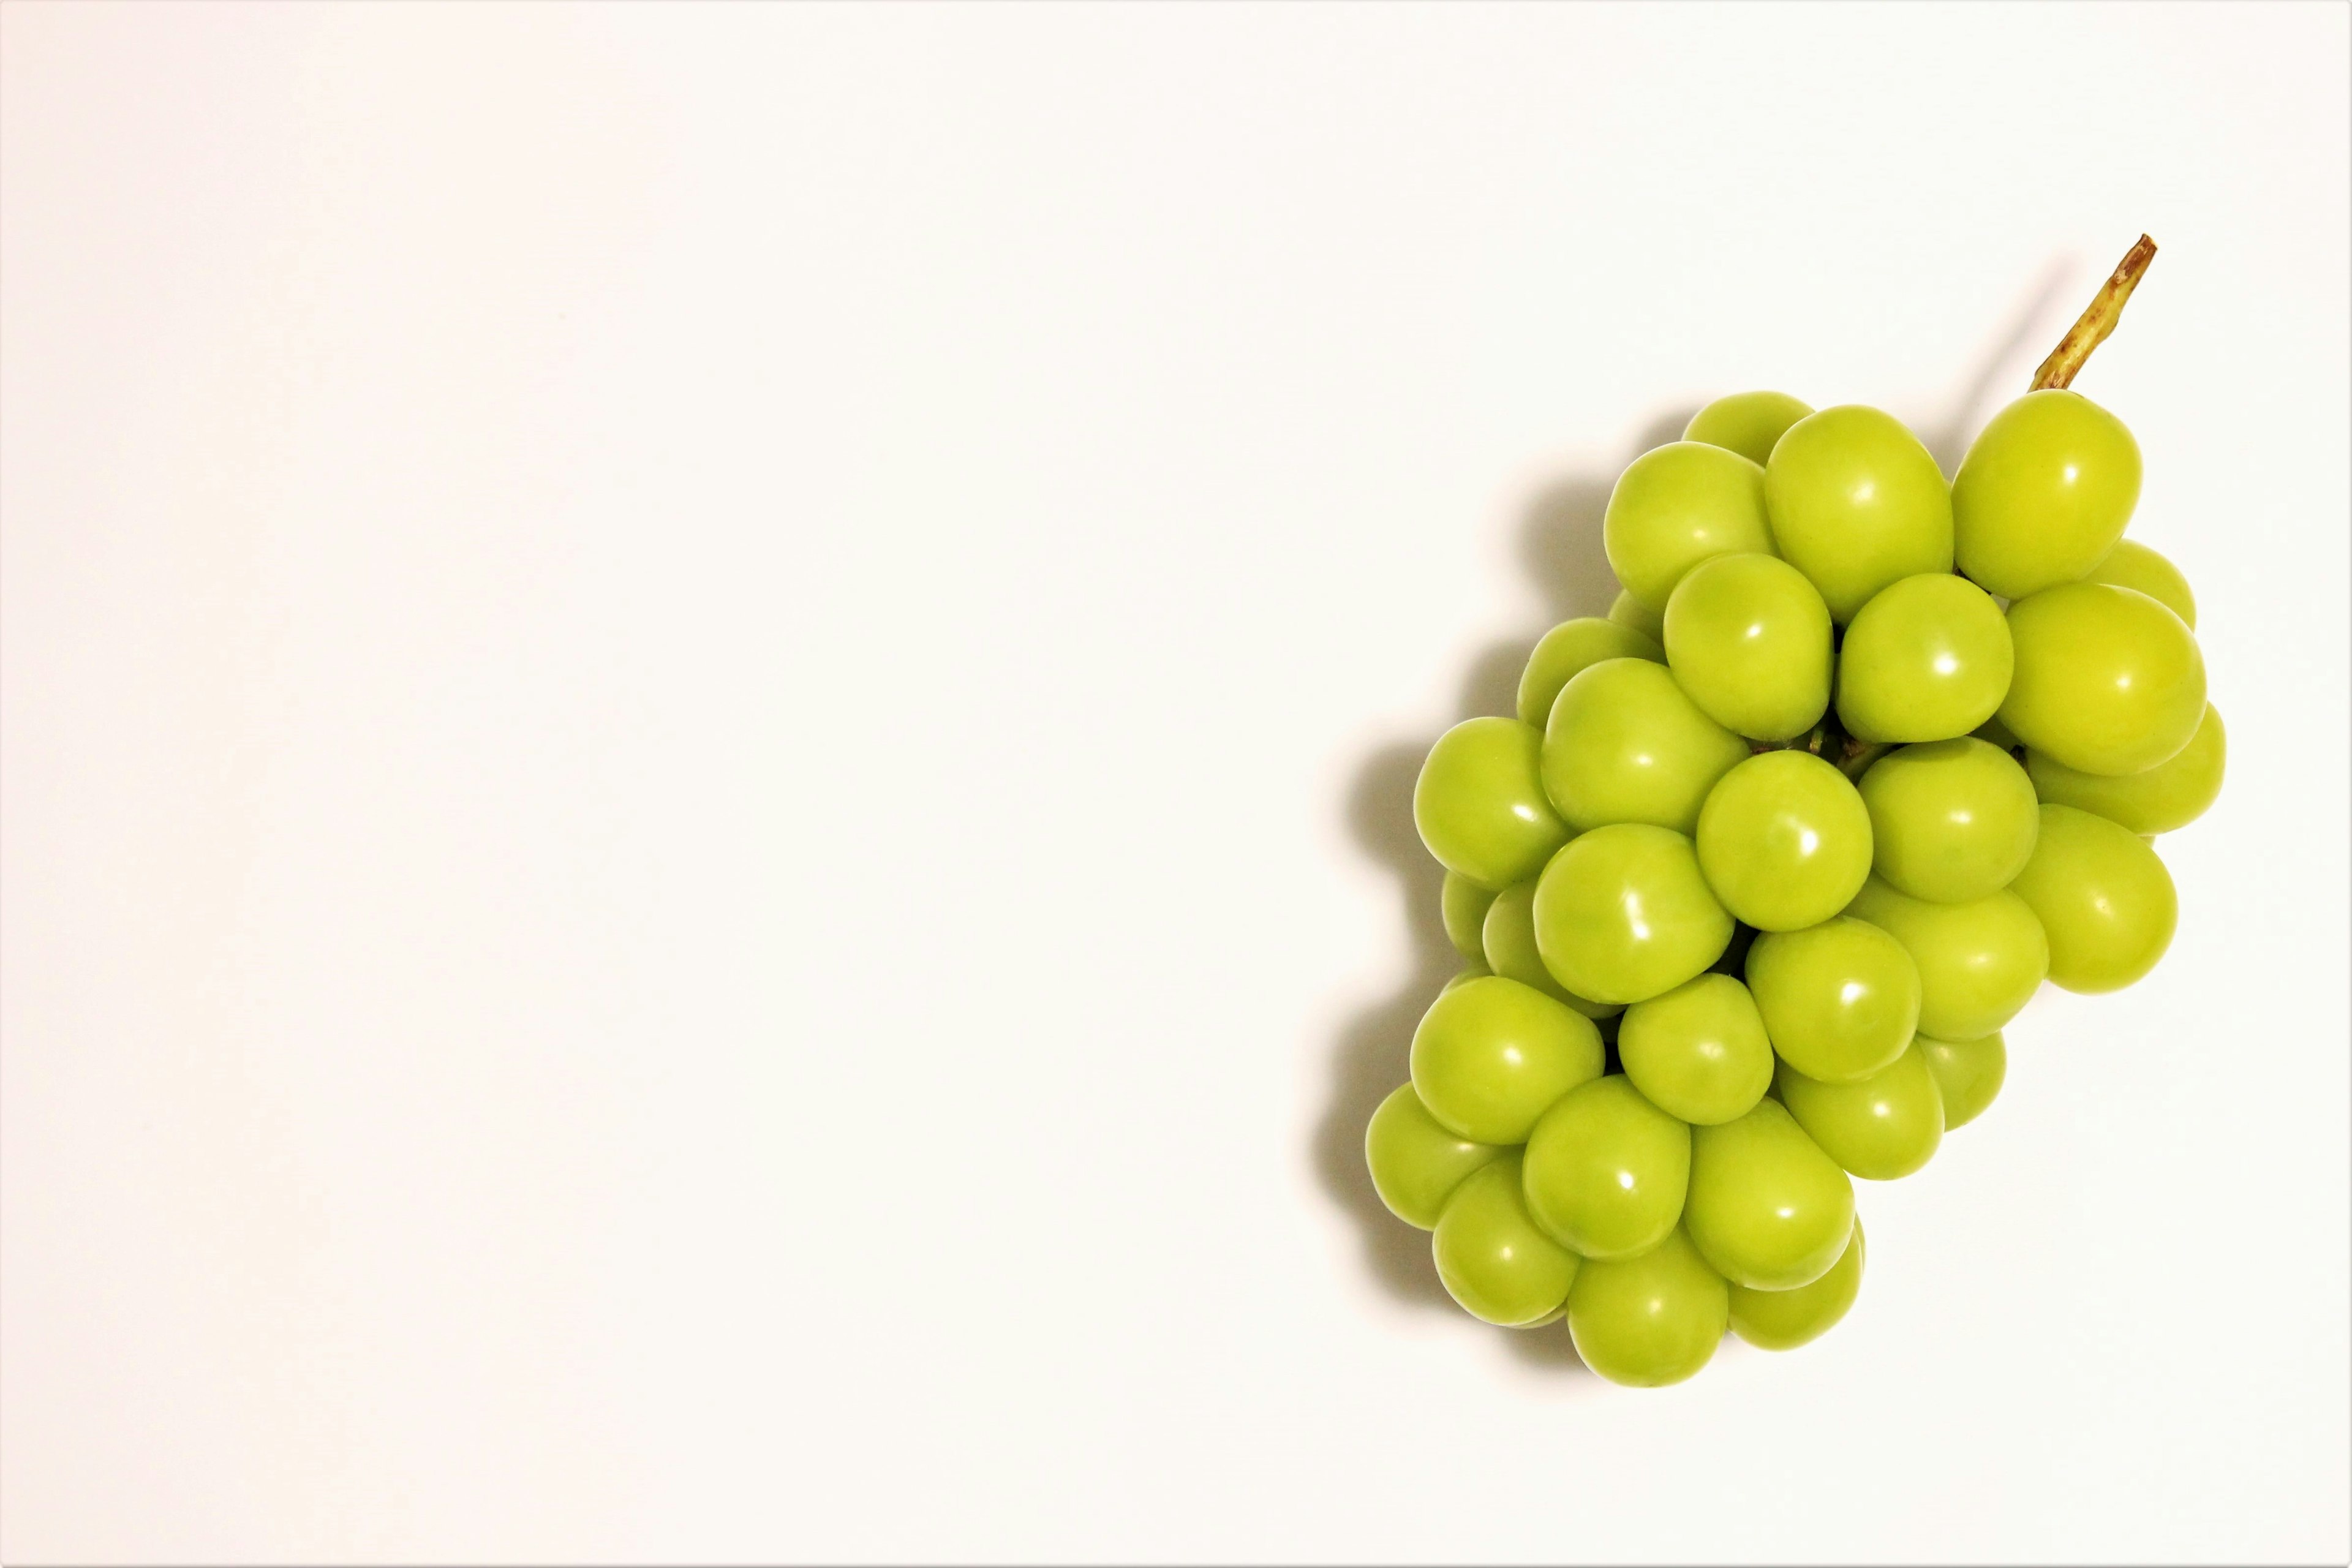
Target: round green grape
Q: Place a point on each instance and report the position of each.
(1480, 805)
(1879, 1128)
(1415, 1162)
(2104, 898)
(1953, 821)
(1784, 841)
(2131, 564)
(1927, 658)
(1749, 639)
(1625, 744)
(2044, 493)
(1699, 1052)
(1570, 647)
(1606, 1170)
(1748, 423)
(1979, 963)
(1650, 1320)
(1768, 1209)
(1968, 1073)
(1993, 732)
(1840, 1000)
(1855, 503)
(1673, 507)
(1473, 970)
(2107, 681)
(2173, 794)
(1491, 1055)
(1493, 1257)
(1511, 952)
(1630, 612)
(1783, 1320)
(1462, 903)
(1622, 914)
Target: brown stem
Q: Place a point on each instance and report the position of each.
(2092, 327)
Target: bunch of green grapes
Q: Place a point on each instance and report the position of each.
(1752, 881)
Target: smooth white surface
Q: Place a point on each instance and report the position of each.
(708, 718)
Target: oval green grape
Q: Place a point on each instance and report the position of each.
(1606, 1170)
(1856, 503)
(1416, 1161)
(1625, 744)
(1969, 1074)
(1766, 1208)
(1748, 640)
(1461, 904)
(1748, 423)
(1927, 658)
(1493, 1259)
(1630, 612)
(1568, 649)
(2131, 564)
(2043, 494)
(1783, 1320)
(1649, 1320)
(2171, 794)
(1622, 914)
(1879, 1128)
(2103, 896)
(1491, 1055)
(1840, 1000)
(1979, 963)
(1673, 507)
(2107, 680)
(1953, 821)
(1698, 1052)
(1479, 803)
(1784, 841)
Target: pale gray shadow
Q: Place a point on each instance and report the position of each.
(2031, 328)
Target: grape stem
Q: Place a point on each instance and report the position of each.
(1829, 742)
(2092, 327)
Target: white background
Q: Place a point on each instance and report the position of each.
(708, 717)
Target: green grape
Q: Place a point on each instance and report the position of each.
(1628, 611)
(1415, 1162)
(2104, 898)
(1952, 820)
(1879, 1128)
(1650, 1320)
(1673, 507)
(1768, 1209)
(2108, 680)
(2043, 494)
(1511, 952)
(1967, 1074)
(1750, 640)
(1699, 1052)
(1979, 963)
(1463, 904)
(1840, 1000)
(1494, 1258)
(1622, 914)
(1625, 745)
(1856, 503)
(1748, 423)
(2131, 564)
(1784, 841)
(1783, 1320)
(1927, 658)
(2173, 794)
(1491, 1055)
(1569, 649)
(1474, 970)
(1993, 732)
(1606, 1170)
(1480, 805)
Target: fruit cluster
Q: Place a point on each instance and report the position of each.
(1766, 859)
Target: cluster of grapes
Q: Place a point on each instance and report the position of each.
(1767, 858)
